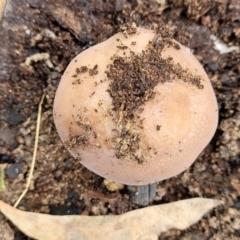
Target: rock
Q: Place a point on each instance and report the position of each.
(12, 117)
(237, 205)
(58, 175)
(55, 75)
(68, 164)
(8, 136)
(13, 170)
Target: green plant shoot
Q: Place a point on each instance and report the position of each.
(2, 185)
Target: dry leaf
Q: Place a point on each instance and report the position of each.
(146, 223)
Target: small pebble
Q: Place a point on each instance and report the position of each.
(237, 205)
(8, 136)
(58, 174)
(68, 164)
(12, 117)
(112, 186)
(54, 75)
(95, 210)
(13, 170)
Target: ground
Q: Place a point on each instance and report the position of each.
(59, 30)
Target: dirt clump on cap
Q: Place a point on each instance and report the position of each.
(132, 82)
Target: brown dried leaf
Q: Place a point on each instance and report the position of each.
(146, 223)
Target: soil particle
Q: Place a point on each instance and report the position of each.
(132, 82)
(8, 136)
(13, 170)
(65, 210)
(112, 186)
(12, 117)
(128, 29)
(4, 158)
(93, 71)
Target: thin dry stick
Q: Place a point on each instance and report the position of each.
(34, 151)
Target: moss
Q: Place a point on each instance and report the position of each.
(2, 185)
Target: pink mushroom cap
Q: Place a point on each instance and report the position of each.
(178, 123)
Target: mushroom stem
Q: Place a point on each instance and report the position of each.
(142, 195)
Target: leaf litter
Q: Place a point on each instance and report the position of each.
(146, 223)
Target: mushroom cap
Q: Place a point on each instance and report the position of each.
(178, 122)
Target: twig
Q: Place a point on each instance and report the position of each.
(34, 152)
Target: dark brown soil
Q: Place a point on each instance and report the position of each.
(132, 84)
(57, 31)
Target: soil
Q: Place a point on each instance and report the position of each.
(38, 40)
(132, 84)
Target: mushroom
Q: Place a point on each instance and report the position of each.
(137, 108)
